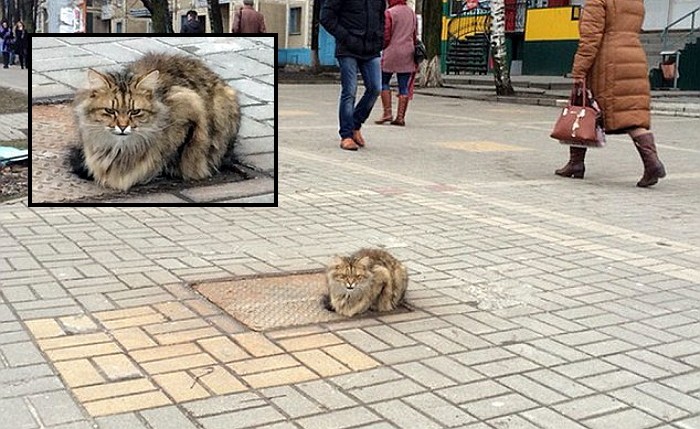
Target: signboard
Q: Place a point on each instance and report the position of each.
(71, 20)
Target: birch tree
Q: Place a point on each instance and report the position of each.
(431, 12)
(501, 70)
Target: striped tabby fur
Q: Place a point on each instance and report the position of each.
(163, 114)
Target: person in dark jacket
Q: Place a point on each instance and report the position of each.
(7, 41)
(192, 25)
(21, 43)
(358, 28)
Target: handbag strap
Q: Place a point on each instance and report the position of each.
(584, 95)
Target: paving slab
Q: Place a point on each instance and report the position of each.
(537, 301)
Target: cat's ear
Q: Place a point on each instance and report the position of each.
(149, 81)
(336, 262)
(97, 80)
(364, 261)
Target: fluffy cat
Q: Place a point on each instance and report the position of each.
(163, 114)
(369, 279)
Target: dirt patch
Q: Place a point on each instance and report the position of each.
(13, 181)
(13, 101)
(275, 301)
(53, 133)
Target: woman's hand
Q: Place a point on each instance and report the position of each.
(578, 81)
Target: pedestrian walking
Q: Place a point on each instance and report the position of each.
(7, 40)
(248, 20)
(358, 28)
(192, 25)
(400, 35)
(21, 43)
(611, 60)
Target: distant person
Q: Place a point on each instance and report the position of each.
(192, 25)
(248, 20)
(400, 35)
(21, 43)
(611, 60)
(358, 28)
(7, 40)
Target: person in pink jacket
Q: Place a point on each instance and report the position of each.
(400, 35)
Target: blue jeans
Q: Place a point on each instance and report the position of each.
(353, 116)
(402, 78)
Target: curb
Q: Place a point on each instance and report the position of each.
(690, 110)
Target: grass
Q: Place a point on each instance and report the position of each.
(13, 101)
(19, 144)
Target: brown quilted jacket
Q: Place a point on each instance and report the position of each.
(612, 59)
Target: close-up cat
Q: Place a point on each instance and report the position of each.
(163, 114)
(369, 279)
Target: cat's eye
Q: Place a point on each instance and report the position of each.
(135, 112)
(110, 111)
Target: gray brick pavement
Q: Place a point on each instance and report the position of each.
(590, 321)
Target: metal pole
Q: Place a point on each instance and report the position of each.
(675, 75)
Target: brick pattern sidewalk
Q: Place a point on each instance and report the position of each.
(527, 313)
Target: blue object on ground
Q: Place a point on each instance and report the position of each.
(12, 154)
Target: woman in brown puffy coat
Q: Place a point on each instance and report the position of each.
(611, 60)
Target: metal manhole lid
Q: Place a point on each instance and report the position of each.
(274, 301)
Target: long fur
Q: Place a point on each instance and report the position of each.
(369, 279)
(163, 114)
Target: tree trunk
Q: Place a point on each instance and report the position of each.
(215, 20)
(429, 71)
(315, 30)
(501, 72)
(160, 15)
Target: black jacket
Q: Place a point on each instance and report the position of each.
(357, 25)
(20, 40)
(192, 27)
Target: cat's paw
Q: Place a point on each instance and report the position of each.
(326, 303)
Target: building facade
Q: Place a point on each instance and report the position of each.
(123, 16)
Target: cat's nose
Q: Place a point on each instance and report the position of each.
(126, 129)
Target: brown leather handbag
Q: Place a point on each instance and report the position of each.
(579, 124)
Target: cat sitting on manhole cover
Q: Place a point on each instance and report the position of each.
(369, 279)
(163, 114)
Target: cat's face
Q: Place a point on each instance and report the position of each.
(351, 275)
(121, 106)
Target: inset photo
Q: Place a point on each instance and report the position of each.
(166, 121)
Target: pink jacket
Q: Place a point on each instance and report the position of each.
(399, 39)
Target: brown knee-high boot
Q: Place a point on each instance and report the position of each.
(401, 111)
(575, 167)
(386, 104)
(653, 168)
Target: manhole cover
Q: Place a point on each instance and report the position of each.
(53, 132)
(275, 301)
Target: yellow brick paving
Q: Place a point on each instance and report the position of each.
(148, 356)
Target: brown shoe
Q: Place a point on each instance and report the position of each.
(348, 144)
(357, 137)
